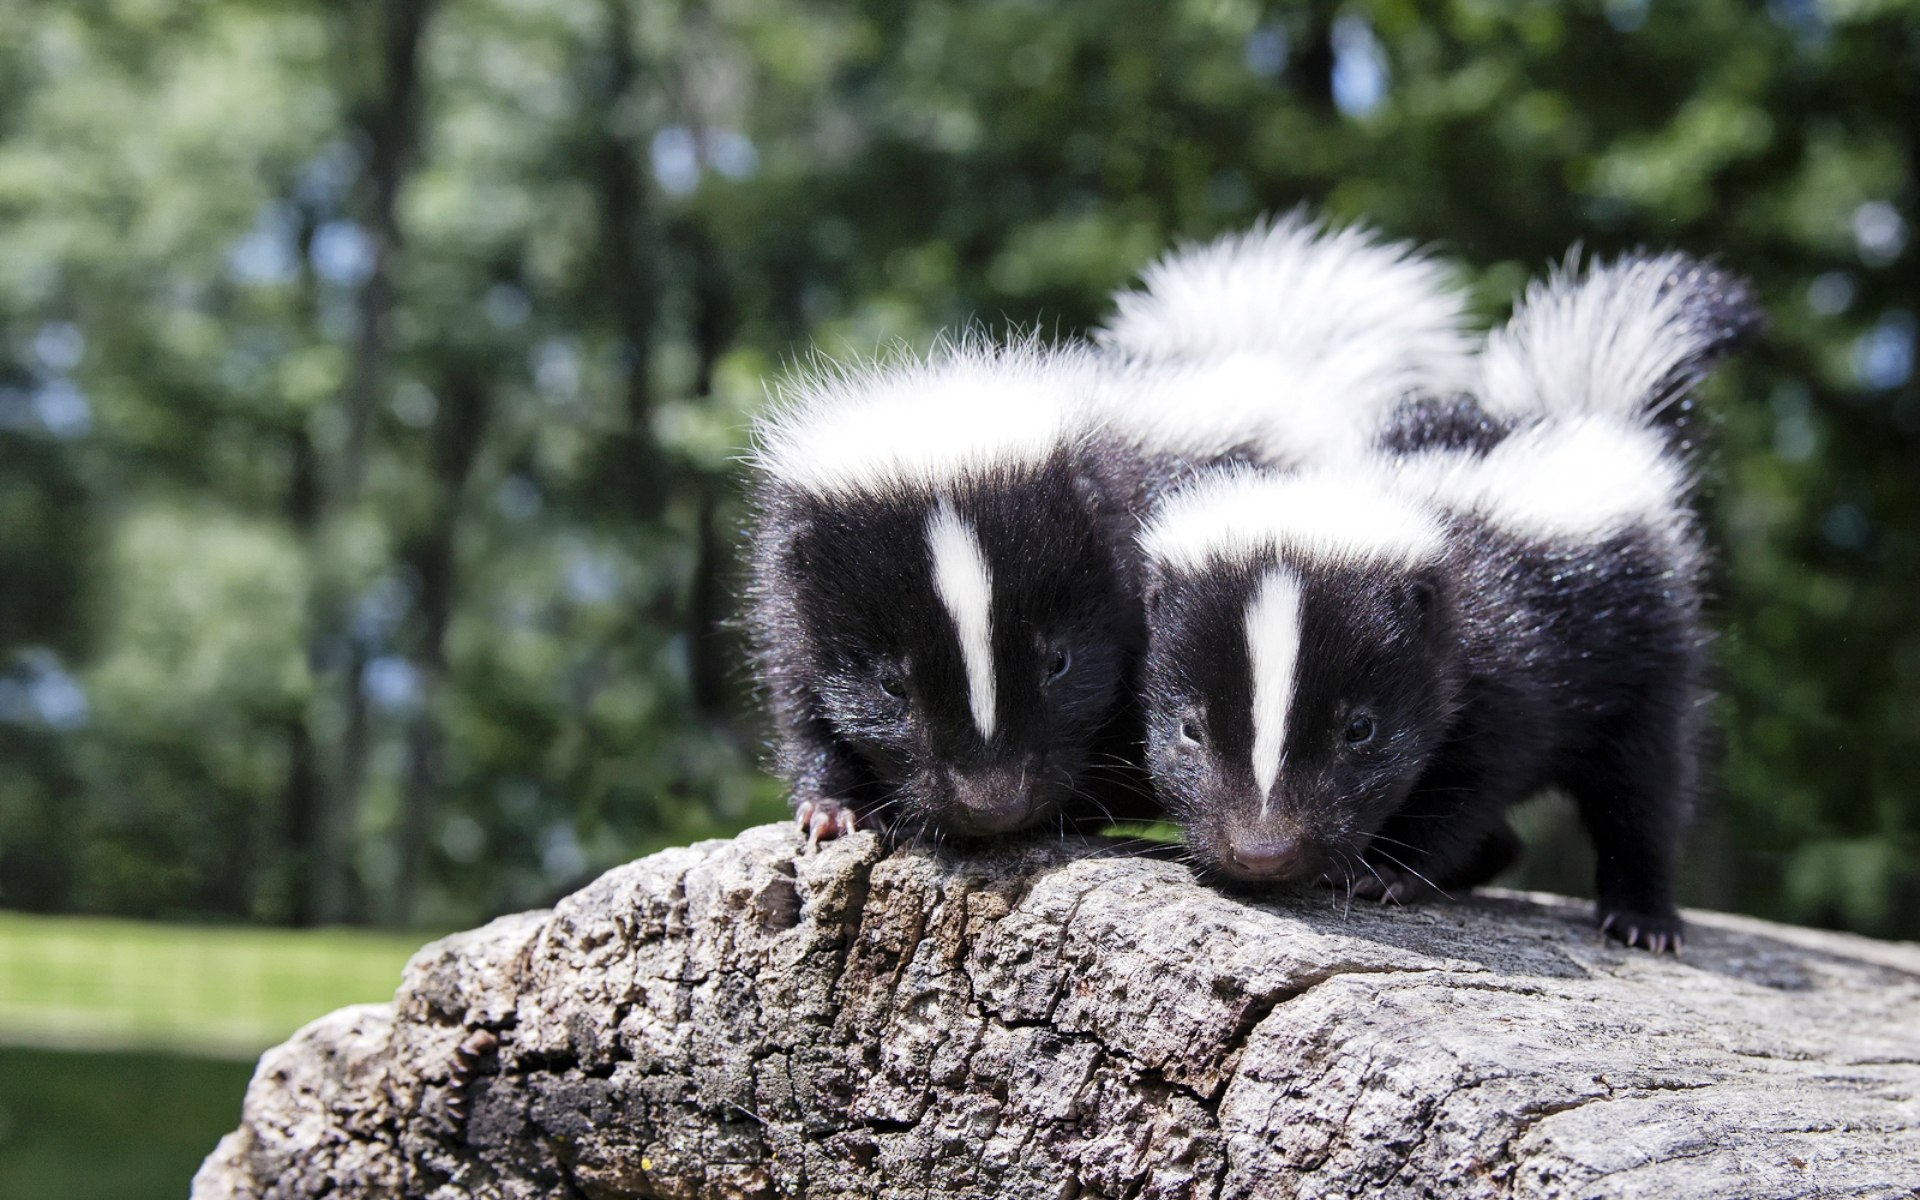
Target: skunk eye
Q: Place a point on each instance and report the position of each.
(1190, 732)
(893, 685)
(1061, 663)
(1360, 730)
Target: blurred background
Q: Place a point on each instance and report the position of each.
(372, 376)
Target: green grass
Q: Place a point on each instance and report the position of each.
(125, 1047)
(1163, 832)
(90, 1126)
(88, 983)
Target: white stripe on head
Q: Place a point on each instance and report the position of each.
(965, 584)
(1273, 651)
(1349, 515)
(970, 409)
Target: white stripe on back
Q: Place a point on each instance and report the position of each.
(965, 584)
(1273, 650)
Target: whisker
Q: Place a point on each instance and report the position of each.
(1417, 875)
(1385, 890)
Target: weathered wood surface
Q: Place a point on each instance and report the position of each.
(735, 1019)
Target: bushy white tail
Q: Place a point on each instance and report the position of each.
(1302, 293)
(1626, 339)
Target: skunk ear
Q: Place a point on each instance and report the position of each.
(1418, 599)
(1152, 580)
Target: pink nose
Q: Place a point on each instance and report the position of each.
(1261, 857)
(991, 801)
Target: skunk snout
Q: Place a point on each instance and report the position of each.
(1276, 857)
(993, 800)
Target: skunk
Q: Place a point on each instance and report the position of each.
(1353, 671)
(943, 606)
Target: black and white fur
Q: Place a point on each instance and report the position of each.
(1354, 671)
(961, 528)
(944, 603)
(1291, 343)
(1281, 346)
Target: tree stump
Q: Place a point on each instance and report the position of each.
(1058, 1019)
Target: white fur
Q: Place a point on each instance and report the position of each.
(1594, 343)
(1273, 650)
(1560, 480)
(1300, 292)
(1285, 413)
(968, 410)
(1329, 515)
(965, 584)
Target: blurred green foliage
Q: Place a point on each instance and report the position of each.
(371, 375)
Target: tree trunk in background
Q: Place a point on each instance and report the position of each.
(631, 274)
(740, 1019)
(715, 317)
(1312, 71)
(302, 798)
(303, 795)
(389, 124)
(388, 121)
(707, 659)
(459, 429)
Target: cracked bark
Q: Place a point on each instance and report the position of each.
(1057, 1020)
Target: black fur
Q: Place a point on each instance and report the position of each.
(844, 603)
(1454, 424)
(1500, 670)
(1720, 314)
(1505, 667)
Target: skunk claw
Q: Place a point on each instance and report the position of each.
(1654, 931)
(825, 820)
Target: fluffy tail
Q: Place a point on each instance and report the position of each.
(1628, 339)
(1306, 294)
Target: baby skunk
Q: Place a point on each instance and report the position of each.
(1287, 344)
(944, 602)
(945, 606)
(1354, 671)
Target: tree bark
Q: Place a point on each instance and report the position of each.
(738, 1019)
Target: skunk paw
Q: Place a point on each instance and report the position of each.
(1393, 885)
(825, 820)
(1655, 931)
